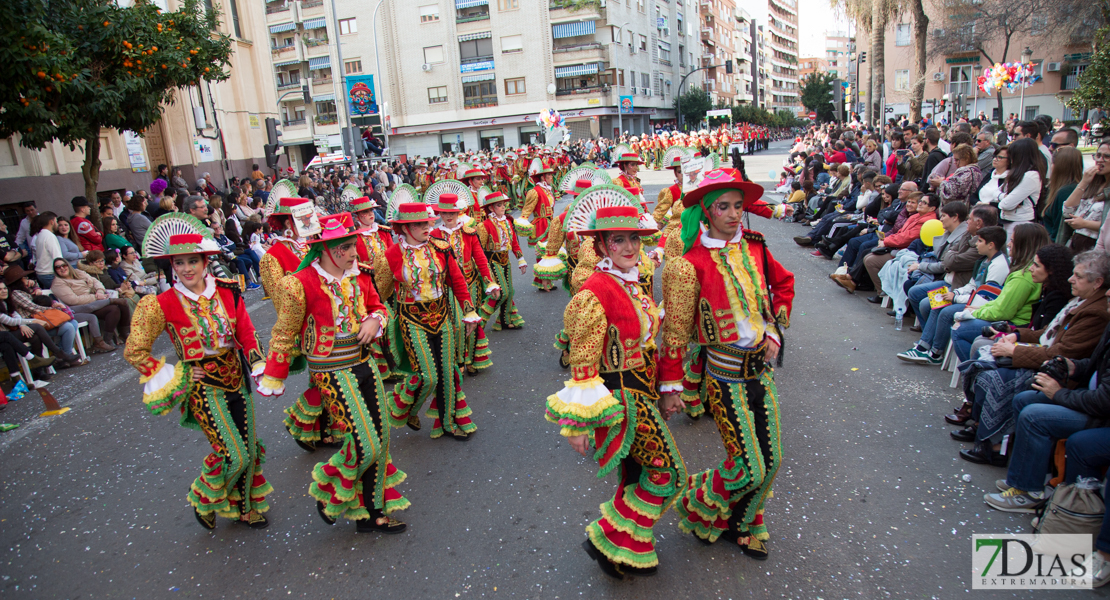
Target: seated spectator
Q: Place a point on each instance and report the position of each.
(959, 186)
(11, 349)
(955, 256)
(937, 327)
(1019, 292)
(890, 220)
(927, 205)
(22, 298)
(1051, 412)
(144, 283)
(96, 265)
(837, 228)
(69, 243)
(90, 236)
(797, 197)
(1072, 332)
(243, 261)
(113, 236)
(87, 296)
(10, 252)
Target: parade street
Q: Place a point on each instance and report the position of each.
(871, 500)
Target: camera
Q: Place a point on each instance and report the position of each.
(1057, 368)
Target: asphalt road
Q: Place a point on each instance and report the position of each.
(870, 501)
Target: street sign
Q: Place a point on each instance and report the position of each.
(812, 116)
(722, 112)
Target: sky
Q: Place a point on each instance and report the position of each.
(815, 17)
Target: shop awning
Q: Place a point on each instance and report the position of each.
(475, 36)
(319, 23)
(479, 77)
(664, 46)
(576, 70)
(320, 62)
(468, 3)
(324, 98)
(566, 30)
(282, 27)
(286, 63)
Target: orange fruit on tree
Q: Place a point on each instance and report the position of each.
(107, 23)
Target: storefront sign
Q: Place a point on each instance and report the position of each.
(135, 153)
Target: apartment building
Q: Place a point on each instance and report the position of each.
(216, 128)
(810, 65)
(717, 38)
(952, 76)
(778, 20)
(743, 40)
(474, 74)
(839, 47)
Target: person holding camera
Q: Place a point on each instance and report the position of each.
(1049, 412)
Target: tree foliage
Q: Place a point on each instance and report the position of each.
(73, 67)
(817, 95)
(1094, 81)
(693, 105)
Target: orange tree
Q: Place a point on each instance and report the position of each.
(73, 67)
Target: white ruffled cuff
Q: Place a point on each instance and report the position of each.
(471, 317)
(270, 386)
(159, 380)
(779, 211)
(670, 388)
(493, 287)
(584, 395)
(521, 262)
(381, 323)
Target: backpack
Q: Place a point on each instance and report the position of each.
(1073, 508)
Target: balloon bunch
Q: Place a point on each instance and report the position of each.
(550, 118)
(1009, 75)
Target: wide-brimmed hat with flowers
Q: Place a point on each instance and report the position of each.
(493, 198)
(448, 203)
(364, 203)
(414, 212)
(722, 179)
(618, 218)
(336, 227)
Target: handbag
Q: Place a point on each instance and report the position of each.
(1073, 508)
(53, 317)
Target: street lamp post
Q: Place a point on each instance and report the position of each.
(619, 42)
(1026, 56)
(378, 68)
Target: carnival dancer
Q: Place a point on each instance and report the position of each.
(422, 273)
(668, 196)
(497, 237)
(474, 178)
(728, 295)
(207, 320)
(330, 309)
(521, 183)
(423, 178)
(535, 217)
(629, 165)
(613, 397)
(288, 249)
(473, 347)
(500, 177)
(551, 267)
(373, 241)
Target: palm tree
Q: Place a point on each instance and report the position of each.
(920, 36)
(872, 18)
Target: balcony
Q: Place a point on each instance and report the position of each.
(708, 35)
(472, 14)
(278, 9)
(312, 8)
(476, 64)
(290, 85)
(327, 119)
(585, 91)
(591, 52)
(705, 8)
(480, 102)
(564, 10)
(322, 86)
(314, 48)
(295, 123)
(1069, 82)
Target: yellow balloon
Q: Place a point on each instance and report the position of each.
(931, 229)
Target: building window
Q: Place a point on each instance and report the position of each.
(480, 94)
(235, 19)
(508, 4)
(433, 54)
(351, 67)
(514, 86)
(664, 52)
(472, 51)
(437, 94)
(512, 43)
(681, 55)
(643, 43)
(472, 13)
(678, 23)
(902, 80)
(620, 77)
(347, 26)
(645, 80)
(640, 5)
(429, 13)
(902, 34)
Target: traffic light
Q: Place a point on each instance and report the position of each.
(943, 103)
(307, 96)
(352, 141)
(728, 66)
(863, 57)
(273, 142)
